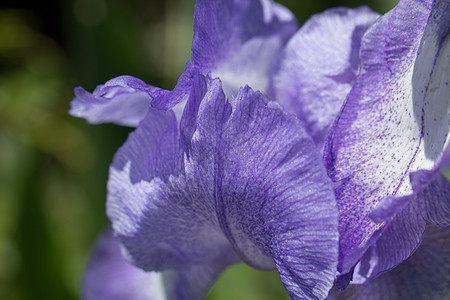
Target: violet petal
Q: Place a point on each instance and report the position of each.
(319, 65)
(235, 40)
(123, 100)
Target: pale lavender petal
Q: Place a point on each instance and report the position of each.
(425, 275)
(319, 66)
(395, 119)
(123, 100)
(236, 40)
(251, 183)
(194, 282)
(109, 276)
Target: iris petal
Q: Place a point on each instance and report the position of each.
(435, 201)
(425, 275)
(394, 121)
(109, 276)
(123, 100)
(236, 40)
(319, 65)
(273, 201)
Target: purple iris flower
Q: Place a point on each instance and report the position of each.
(216, 173)
(233, 180)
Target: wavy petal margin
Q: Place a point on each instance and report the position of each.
(123, 100)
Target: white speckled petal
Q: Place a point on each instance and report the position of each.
(395, 119)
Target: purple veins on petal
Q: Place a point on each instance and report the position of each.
(238, 176)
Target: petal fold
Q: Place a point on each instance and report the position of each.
(435, 201)
(249, 184)
(396, 242)
(425, 275)
(274, 201)
(157, 212)
(123, 100)
(405, 224)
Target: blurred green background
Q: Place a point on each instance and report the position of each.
(53, 167)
